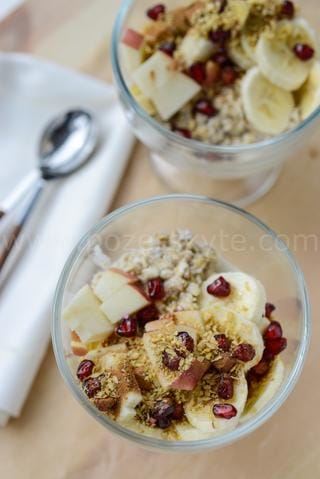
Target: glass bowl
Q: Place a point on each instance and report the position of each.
(241, 239)
(236, 174)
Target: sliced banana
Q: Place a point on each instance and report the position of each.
(248, 47)
(265, 391)
(266, 106)
(235, 327)
(248, 296)
(275, 56)
(186, 432)
(200, 414)
(239, 56)
(310, 92)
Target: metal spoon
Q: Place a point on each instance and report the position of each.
(66, 144)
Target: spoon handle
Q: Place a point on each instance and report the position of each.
(15, 227)
(18, 194)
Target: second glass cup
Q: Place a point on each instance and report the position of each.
(236, 174)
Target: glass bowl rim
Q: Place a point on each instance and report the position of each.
(160, 444)
(201, 147)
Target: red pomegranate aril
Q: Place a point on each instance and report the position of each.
(220, 288)
(171, 360)
(287, 9)
(261, 368)
(228, 76)
(168, 48)
(273, 331)
(155, 289)
(91, 386)
(244, 352)
(182, 132)
(268, 356)
(219, 36)
(147, 314)
(186, 340)
(223, 342)
(197, 71)
(155, 12)
(205, 107)
(178, 412)
(85, 369)
(303, 52)
(275, 346)
(128, 327)
(161, 415)
(221, 58)
(270, 308)
(224, 411)
(225, 387)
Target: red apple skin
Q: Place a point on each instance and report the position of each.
(132, 39)
(77, 347)
(188, 380)
(130, 277)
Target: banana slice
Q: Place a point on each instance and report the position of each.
(235, 327)
(186, 432)
(200, 413)
(239, 56)
(248, 47)
(266, 106)
(310, 92)
(265, 391)
(248, 296)
(275, 56)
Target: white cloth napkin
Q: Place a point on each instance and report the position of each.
(31, 92)
(8, 6)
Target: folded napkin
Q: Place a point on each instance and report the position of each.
(8, 6)
(31, 92)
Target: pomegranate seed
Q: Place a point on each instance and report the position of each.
(273, 331)
(168, 48)
(228, 76)
(219, 288)
(128, 327)
(221, 58)
(148, 314)
(287, 9)
(244, 352)
(155, 12)
(275, 346)
(161, 415)
(225, 387)
(91, 386)
(224, 411)
(223, 342)
(178, 412)
(219, 36)
(85, 369)
(205, 107)
(182, 132)
(268, 356)
(197, 71)
(171, 360)
(269, 310)
(303, 52)
(186, 340)
(261, 368)
(155, 289)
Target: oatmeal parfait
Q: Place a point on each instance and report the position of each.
(224, 72)
(168, 345)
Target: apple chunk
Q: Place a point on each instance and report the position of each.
(195, 49)
(188, 380)
(85, 317)
(105, 284)
(127, 300)
(133, 39)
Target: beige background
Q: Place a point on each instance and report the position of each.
(55, 438)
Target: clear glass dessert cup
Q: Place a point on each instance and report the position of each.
(236, 174)
(241, 240)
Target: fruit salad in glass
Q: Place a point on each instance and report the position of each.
(224, 72)
(170, 343)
